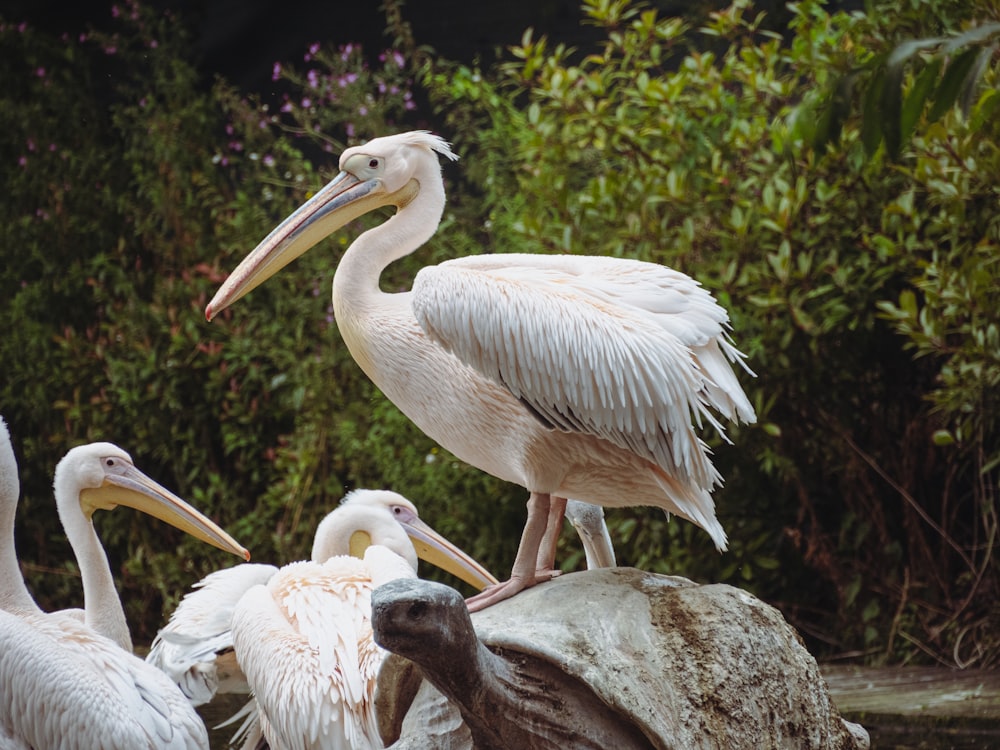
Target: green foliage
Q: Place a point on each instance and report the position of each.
(917, 80)
(862, 289)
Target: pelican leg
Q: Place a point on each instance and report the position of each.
(553, 527)
(524, 574)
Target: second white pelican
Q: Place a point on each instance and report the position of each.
(573, 376)
(298, 637)
(64, 684)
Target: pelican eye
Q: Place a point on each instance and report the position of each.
(109, 462)
(402, 513)
(373, 164)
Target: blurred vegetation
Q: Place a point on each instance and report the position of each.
(859, 271)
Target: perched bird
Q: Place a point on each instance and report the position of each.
(71, 681)
(299, 637)
(588, 520)
(572, 376)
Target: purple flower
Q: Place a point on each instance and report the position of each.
(268, 160)
(306, 102)
(40, 72)
(276, 71)
(313, 78)
(22, 161)
(314, 48)
(115, 11)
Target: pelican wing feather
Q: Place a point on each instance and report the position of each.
(622, 349)
(71, 688)
(306, 644)
(186, 648)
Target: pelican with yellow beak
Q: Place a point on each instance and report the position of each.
(573, 376)
(299, 637)
(70, 679)
(102, 476)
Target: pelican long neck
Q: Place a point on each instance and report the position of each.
(14, 596)
(103, 608)
(356, 282)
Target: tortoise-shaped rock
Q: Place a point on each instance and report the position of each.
(612, 658)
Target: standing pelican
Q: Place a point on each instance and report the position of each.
(301, 634)
(573, 376)
(64, 684)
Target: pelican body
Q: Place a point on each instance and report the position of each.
(572, 376)
(69, 680)
(300, 636)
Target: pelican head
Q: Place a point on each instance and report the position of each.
(380, 517)
(387, 171)
(101, 476)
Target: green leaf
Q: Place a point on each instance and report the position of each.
(834, 113)
(892, 106)
(906, 50)
(943, 437)
(985, 110)
(952, 83)
(972, 36)
(968, 93)
(871, 129)
(917, 97)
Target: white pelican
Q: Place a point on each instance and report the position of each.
(573, 376)
(64, 685)
(102, 476)
(298, 637)
(588, 520)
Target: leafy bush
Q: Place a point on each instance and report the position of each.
(863, 502)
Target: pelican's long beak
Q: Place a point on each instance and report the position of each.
(130, 487)
(342, 200)
(433, 548)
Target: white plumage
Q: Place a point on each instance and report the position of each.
(299, 636)
(573, 376)
(305, 642)
(64, 685)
